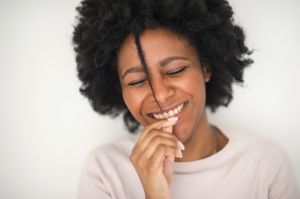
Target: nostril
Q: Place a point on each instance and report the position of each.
(162, 94)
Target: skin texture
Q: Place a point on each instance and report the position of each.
(155, 148)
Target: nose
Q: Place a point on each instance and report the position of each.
(162, 90)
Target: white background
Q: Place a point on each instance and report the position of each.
(47, 128)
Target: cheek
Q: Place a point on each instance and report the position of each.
(134, 103)
(193, 85)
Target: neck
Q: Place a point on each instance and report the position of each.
(201, 144)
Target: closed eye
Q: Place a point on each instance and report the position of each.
(135, 83)
(176, 72)
(173, 73)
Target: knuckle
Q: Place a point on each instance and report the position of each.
(149, 128)
(156, 138)
(151, 169)
(170, 150)
(146, 129)
(160, 148)
(132, 157)
(140, 164)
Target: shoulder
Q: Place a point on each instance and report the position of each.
(267, 155)
(104, 161)
(267, 161)
(102, 173)
(112, 154)
(261, 149)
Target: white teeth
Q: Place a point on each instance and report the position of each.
(170, 113)
(166, 115)
(176, 110)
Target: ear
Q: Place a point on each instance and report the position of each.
(207, 73)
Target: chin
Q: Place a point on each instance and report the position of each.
(182, 134)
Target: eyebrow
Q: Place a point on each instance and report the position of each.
(162, 63)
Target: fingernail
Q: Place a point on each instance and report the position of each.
(179, 154)
(180, 145)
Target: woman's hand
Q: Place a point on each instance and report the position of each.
(152, 158)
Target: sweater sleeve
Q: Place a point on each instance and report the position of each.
(284, 185)
(92, 181)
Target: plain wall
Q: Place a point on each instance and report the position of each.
(47, 128)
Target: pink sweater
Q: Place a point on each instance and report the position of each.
(248, 167)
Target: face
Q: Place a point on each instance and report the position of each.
(176, 75)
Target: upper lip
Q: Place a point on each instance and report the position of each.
(167, 108)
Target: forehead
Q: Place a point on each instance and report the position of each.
(156, 45)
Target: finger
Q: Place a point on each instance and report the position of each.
(157, 125)
(178, 153)
(156, 142)
(138, 149)
(168, 169)
(160, 154)
(180, 146)
(169, 129)
(143, 141)
(144, 144)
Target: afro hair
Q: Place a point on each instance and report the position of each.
(208, 25)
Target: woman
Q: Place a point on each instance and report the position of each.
(161, 63)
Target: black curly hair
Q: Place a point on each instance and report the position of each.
(102, 26)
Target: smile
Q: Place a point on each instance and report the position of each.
(170, 113)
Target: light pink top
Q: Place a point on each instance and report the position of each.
(248, 167)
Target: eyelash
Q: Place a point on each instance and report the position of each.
(136, 83)
(177, 71)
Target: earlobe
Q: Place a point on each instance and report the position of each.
(207, 73)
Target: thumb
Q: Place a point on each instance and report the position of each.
(168, 170)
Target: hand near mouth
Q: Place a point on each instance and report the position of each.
(152, 158)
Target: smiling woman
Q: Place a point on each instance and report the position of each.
(161, 63)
